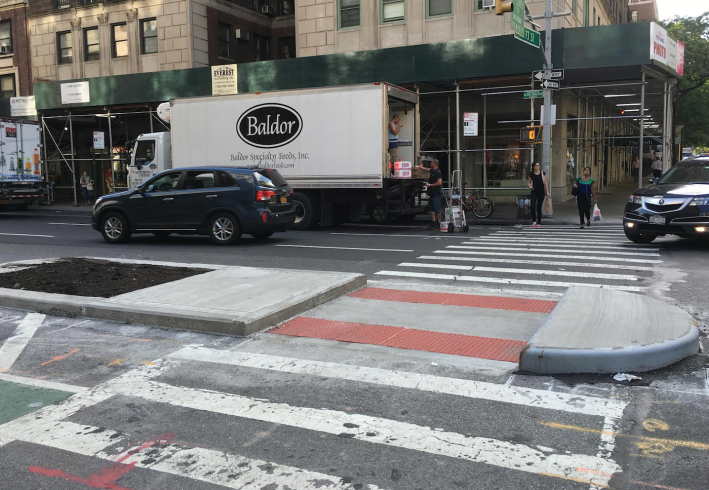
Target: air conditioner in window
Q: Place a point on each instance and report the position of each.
(4, 49)
(267, 9)
(241, 34)
(488, 4)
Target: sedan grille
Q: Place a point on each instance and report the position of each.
(663, 209)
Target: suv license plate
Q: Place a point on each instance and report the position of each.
(657, 220)
(283, 199)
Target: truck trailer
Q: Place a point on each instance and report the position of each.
(21, 181)
(331, 144)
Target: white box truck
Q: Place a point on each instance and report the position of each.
(331, 144)
(21, 181)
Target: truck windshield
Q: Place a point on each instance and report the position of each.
(270, 178)
(687, 173)
(144, 153)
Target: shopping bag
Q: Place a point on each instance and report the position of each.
(547, 205)
(596, 213)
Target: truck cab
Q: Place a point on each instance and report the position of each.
(151, 154)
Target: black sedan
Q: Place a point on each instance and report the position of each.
(222, 202)
(675, 204)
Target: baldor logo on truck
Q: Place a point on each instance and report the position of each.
(269, 125)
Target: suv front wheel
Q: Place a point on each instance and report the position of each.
(224, 229)
(114, 228)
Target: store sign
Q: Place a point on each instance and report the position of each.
(99, 140)
(22, 106)
(224, 81)
(666, 50)
(470, 124)
(75, 93)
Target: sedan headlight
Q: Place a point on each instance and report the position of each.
(635, 199)
(700, 201)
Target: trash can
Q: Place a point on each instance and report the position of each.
(523, 203)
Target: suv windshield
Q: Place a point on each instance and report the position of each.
(270, 178)
(687, 173)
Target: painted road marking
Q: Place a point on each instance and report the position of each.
(71, 224)
(437, 266)
(458, 288)
(41, 383)
(13, 346)
(377, 430)
(572, 253)
(27, 234)
(504, 280)
(439, 235)
(641, 252)
(347, 248)
(59, 358)
(574, 234)
(571, 241)
(539, 262)
(545, 272)
(572, 403)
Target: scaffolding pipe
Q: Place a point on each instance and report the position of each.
(457, 125)
(73, 167)
(484, 146)
(642, 131)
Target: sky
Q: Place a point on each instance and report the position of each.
(684, 8)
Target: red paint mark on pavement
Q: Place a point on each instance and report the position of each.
(403, 338)
(451, 299)
(107, 477)
(59, 358)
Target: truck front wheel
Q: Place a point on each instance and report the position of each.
(306, 210)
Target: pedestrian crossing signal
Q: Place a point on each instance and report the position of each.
(528, 135)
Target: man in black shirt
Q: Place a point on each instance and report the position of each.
(435, 182)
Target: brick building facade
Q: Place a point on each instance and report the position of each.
(644, 10)
(74, 39)
(15, 56)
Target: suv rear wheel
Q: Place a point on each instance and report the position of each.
(639, 238)
(224, 229)
(114, 228)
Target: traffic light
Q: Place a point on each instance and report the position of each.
(528, 135)
(501, 7)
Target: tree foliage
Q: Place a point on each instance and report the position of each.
(691, 109)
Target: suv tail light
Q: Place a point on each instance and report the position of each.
(264, 195)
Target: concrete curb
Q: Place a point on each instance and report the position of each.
(196, 320)
(638, 355)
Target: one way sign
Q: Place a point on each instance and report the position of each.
(555, 75)
(548, 84)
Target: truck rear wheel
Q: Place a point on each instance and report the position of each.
(306, 211)
(378, 214)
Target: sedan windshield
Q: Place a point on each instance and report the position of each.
(687, 173)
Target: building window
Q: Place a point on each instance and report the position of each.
(149, 36)
(439, 7)
(593, 19)
(5, 37)
(61, 4)
(285, 7)
(574, 5)
(91, 48)
(90, 2)
(634, 16)
(262, 48)
(393, 10)
(224, 38)
(64, 50)
(585, 13)
(119, 40)
(7, 86)
(349, 13)
(286, 47)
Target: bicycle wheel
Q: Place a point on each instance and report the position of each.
(483, 207)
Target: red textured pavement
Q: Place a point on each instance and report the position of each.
(403, 338)
(452, 299)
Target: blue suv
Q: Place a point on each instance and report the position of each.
(222, 202)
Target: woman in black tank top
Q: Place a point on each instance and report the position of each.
(538, 184)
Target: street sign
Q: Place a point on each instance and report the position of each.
(549, 84)
(533, 94)
(99, 140)
(517, 18)
(555, 75)
(470, 124)
(529, 37)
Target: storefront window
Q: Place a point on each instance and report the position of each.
(571, 150)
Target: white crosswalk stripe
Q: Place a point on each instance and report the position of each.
(164, 455)
(581, 257)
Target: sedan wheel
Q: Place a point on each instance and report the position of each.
(114, 228)
(224, 229)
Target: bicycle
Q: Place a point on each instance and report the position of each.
(481, 207)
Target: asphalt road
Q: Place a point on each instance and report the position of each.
(168, 409)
